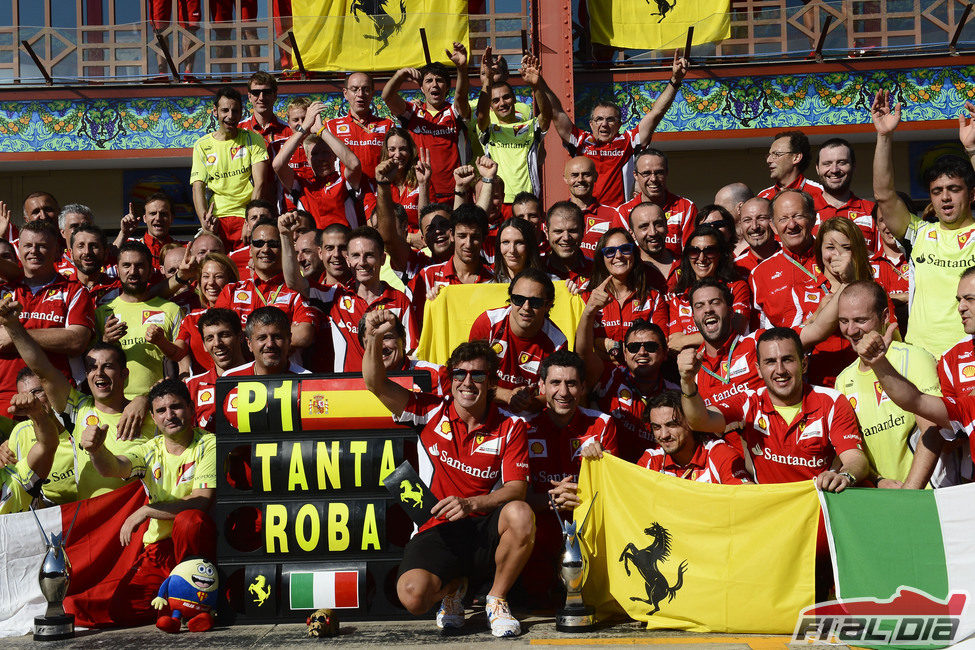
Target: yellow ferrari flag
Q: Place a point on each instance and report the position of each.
(684, 555)
(658, 24)
(447, 319)
(371, 35)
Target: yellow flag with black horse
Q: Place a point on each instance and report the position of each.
(686, 555)
(372, 35)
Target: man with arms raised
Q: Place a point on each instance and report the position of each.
(942, 250)
(651, 170)
(20, 483)
(475, 461)
(787, 159)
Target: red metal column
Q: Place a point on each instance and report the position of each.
(552, 20)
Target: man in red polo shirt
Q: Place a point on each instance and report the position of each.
(956, 369)
(360, 129)
(788, 287)
(755, 223)
(475, 461)
(522, 336)
(436, 124)
(685, 453)
(651, 171)
(254, 211)
(834, 166)
(395, 357)
(57, 312)
(648, 224)
(221, 334)
(268, 333)
(610, 150)
(346, 305)
(564, 259)
(267, 287)
(787, 159)
(793, 431)
(580, 176)
(158, 218)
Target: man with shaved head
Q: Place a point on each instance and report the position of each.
(41, 205)
(580, 175)
(360, 129)
(755, 224)
(731, 197)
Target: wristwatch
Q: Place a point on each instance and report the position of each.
(850, 477)
(300, 129)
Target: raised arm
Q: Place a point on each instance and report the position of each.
(41, 455)
(393, 396)
(699, 417)
(886, 117)
(350, 161)
(289, 259)
(281, 161)
(488, 170)
(563, 124)
(391, 97)
(483, 112)
(966, 130)
(462, 91)
(396, 247)
(54, 383)
(127, 226)
(585, 335)
(531, 73)
(651, 119)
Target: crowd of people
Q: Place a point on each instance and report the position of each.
(797, 333)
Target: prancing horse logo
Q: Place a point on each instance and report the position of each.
(383, 23)
(663, 8)
(645, 560)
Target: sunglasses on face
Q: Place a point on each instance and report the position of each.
(635, 346)
(478, 376)
(257, 92)
(533, 302)
(270, 243)
(707, 251)
(624, 249)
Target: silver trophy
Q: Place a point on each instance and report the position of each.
(575, 615)
(54, 577)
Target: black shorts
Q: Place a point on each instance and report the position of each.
(456, 549)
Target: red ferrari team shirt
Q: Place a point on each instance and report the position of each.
(247, 295)
(731, 372)
(613, 160)
(242, 259)
(893, 276)
(455, 461)
(57, 304)
(155, 246)
(682, 315)
(519, 358)
(784, 452)
(961, 416)
(856, 210)
(956, 369)
(785, 289)
(329, 200)
(189, 334)
(555, 453)
(680, 212)
(748, 260)
(597, 219)
(445, 136)
(616, 317)
(579, 270)
(713, 461)
(618, 395)
(346, 308)
(364, 137)
(812, 188)
(203, 392)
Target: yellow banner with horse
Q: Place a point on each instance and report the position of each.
(371, 35)
(684, 555)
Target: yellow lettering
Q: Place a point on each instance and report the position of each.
(266, 451)
(370, 530)
(296, 473)
(310, 513)
(358, 447)
(388, 463)
(328, 464)
(276, 516)
(283, 394)
(251, 398)
(338, 526)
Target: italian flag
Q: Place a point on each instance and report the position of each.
(909, 547)
(98, 562)
(317, 589)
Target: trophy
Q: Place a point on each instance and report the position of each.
(575, 616)
(55, 576)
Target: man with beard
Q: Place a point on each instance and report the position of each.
(221, 334)
(144, 327)
(651, 171)
(522, 336)
(395, 358)
(580, 176)
(755, 223)
(564, 259)
(88, 249)
(684, 453)
(648, 223)
(57, 311)
(179, 471)
(787, 159)
(268, 333)
(360, 129)
(158, 218)
(835, 166)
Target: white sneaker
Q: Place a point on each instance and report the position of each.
(451, 612)
(499, 616)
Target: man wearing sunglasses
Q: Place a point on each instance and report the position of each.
(467, 449)
(651, 169)
(262, 90)
(522, 336)
(580, 175)
(564, 259)
(266, 287)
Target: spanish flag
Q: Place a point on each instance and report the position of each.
(678, 554)
(370, 35)
(658, 24)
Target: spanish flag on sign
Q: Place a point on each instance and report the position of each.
(372, 35)
(658, 24)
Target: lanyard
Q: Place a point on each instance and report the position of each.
(274, 295)
(727, 378)
(812, 276)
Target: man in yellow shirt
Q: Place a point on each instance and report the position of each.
(106, 406)
(233, 165)
(179, 471)
(144, 327)
(888, 430)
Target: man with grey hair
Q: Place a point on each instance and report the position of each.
(268, 333)
(72, 217)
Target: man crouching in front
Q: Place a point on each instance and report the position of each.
(466, 448)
